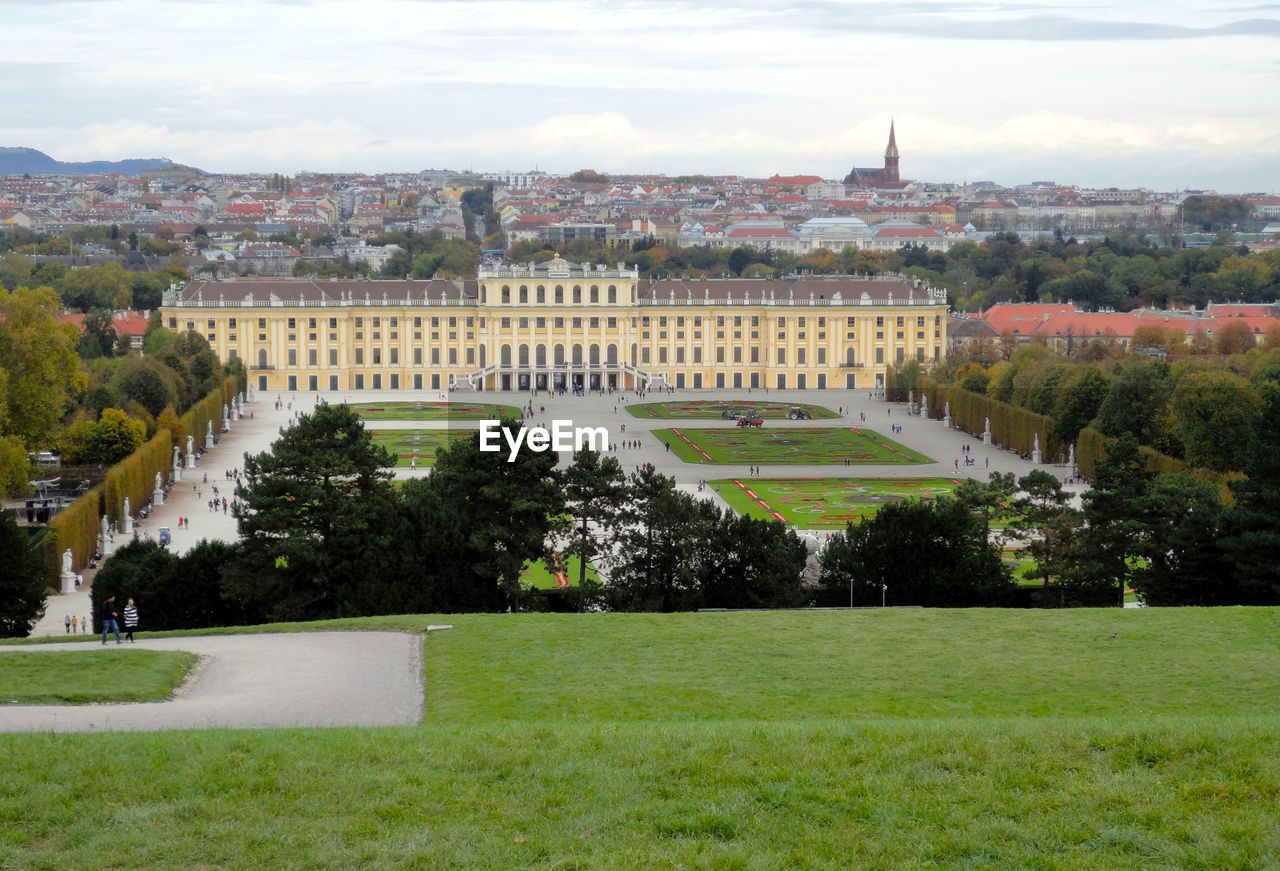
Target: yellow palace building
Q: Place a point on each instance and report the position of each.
(558, 324)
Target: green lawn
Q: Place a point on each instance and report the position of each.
(405, 443)
(714, 408)
(540, 577)
(822, 503)
(883, 739)
(57, 677)
(441, 411)
(787, 445)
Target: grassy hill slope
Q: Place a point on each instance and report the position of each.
(869, 739)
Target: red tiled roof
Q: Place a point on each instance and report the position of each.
(1020, 317)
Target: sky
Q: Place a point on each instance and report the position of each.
(1167, 95)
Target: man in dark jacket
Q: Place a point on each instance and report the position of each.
(109, 618)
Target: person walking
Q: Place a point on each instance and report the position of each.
(67, 622)
(130, 620)
(109, 617)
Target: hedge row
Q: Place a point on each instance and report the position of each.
(195, 422)
(1011, 426)
(135, 477)
(77, 525)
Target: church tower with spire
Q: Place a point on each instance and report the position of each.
(862, 176)
(891, 158)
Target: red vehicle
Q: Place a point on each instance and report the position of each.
(750, 420)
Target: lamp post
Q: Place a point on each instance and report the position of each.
(884, 589)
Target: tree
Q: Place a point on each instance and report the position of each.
(1137, 402)
(1080, 394)
(315, 516)
(505, 512)
(99, 337)
(22, 584)
(1181, 563)
(114, 437)
(1251, 527)
(171, 591)
(917, 552)
(38, 355)
(148, 381)
(594, 491)
(751, 563)
(432, 552)
(1214, 414)
(108, 287)
(1115, 525)
(655, 567)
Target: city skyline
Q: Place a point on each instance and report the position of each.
(1164, 96)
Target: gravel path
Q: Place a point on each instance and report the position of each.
(301, 679)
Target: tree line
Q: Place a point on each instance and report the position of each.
(325, 534)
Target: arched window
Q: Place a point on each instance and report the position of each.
(595, 293)
(505, 355)
(524, 356)
(484, 293)
(540, 355)
(848, 356)
(559, 355)
(611, 355)
(506, 294)
(613, 294)
(524, 294)
(635, 354)
(577, 355)
(482, 356)
(577, 294)
(593, 355)
(542, 294)
(559, 293)
(262, 358)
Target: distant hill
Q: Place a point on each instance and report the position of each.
(17, 161)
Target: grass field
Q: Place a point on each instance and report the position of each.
(714, 408)
(788, 446)
(75, 677)
(1096, 739)
(404, 443)
(441, 411)
(540, 577)
(822, 503)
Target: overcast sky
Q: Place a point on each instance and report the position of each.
(1166, 94)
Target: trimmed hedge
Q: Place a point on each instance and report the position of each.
(1011, 426)
(196, 420)
(1092, 447)
(135, 476)
(77, 525)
